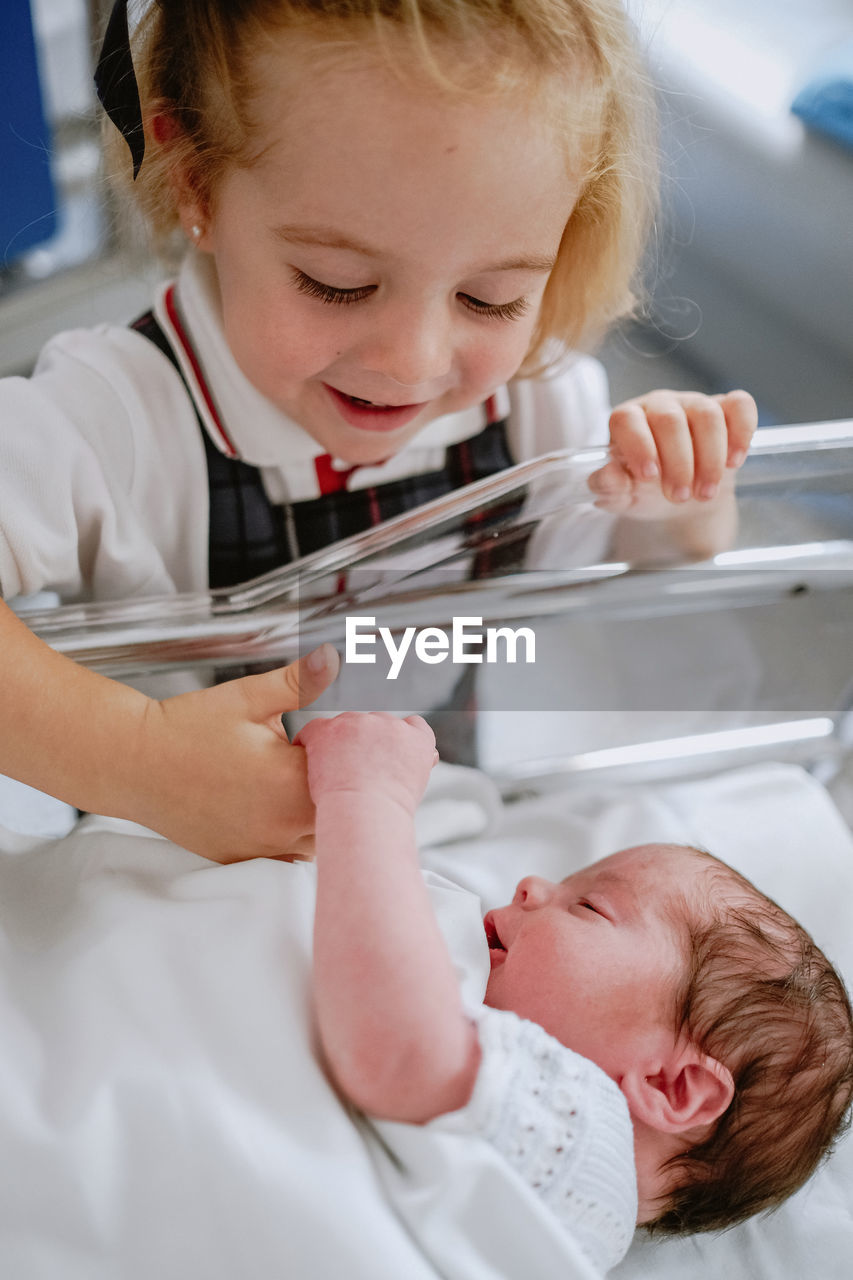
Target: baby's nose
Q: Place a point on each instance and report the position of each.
(533, 892)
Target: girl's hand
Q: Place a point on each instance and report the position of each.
(214, 771)
(370, 753)
(669, 447)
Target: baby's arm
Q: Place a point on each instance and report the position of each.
(388, 1003)
(212, 769)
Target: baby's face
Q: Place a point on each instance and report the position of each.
(596, 959)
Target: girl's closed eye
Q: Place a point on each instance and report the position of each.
(328, 292)
(495, 310)
(342, 297)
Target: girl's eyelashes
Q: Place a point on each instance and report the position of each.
(495, 310)
(327, 292)
(342, 297)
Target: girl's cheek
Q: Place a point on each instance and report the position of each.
(514, 339)
(500, 360)
(306, 345)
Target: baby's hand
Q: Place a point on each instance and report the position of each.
(371, 753)
(671, 446)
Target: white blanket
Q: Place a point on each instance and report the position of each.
(162, 1109)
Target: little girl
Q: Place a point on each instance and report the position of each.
(398, 217)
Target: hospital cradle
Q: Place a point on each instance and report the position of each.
(705, 701)
(747, 652)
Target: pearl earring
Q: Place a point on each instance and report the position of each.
(195, 230)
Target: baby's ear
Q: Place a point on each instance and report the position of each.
(687, 1091)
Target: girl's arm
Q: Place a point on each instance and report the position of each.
(388, 1004)
(212, 770)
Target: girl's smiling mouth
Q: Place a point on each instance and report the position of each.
(368, 416)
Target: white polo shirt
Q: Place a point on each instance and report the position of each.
(103, 478)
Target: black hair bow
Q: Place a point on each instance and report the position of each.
(115, 82)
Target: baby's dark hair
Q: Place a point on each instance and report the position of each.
(761, 998)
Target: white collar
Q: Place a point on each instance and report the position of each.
(245, 424)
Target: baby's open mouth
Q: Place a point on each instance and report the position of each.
(497, 950)
(492, 938)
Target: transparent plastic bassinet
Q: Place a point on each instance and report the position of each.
(655, 661)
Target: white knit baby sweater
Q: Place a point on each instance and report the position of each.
(563, 1125)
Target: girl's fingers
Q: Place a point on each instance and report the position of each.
(632, 442)
(741, 414)
(611, 481)
(651, 436)
(671, 429)
(710, 445)
(612, 488)
(686, 438)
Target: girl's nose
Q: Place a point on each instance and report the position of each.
(533, 892)
(412, 350)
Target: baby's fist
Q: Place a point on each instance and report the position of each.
(371, 753)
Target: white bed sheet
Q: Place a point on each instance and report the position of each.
(162, 1110)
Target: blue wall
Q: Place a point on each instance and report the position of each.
(27, 199)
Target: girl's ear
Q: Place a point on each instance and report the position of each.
(687, 1091)
(192, 209)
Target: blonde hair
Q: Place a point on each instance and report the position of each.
(192, 60)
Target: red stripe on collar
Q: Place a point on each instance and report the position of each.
(329, 478)
(177, 325)
(335, 479)
(491, 407)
